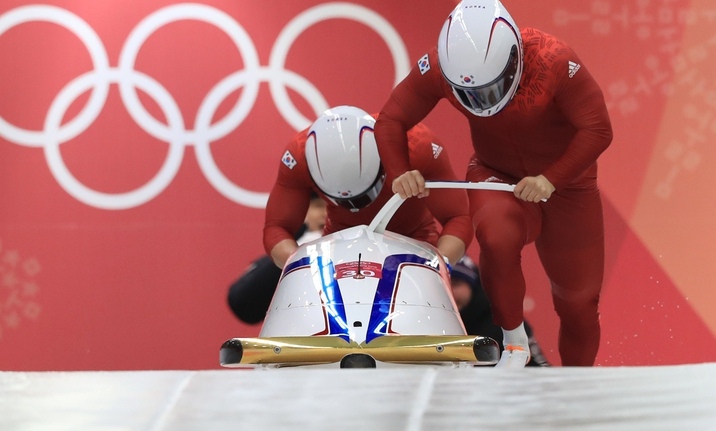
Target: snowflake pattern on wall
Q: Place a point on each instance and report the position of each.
(18, 289)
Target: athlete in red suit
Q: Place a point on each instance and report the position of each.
(538, 120)
(289, 199)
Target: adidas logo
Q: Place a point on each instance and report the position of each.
(437, 149)
(573, 68)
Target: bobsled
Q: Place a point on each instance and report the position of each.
(364, 297)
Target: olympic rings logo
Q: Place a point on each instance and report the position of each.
(174, 132)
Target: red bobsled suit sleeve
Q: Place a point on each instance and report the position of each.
(556, 125)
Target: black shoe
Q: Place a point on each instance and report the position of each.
(537, 359)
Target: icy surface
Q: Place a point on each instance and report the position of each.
(391, 399)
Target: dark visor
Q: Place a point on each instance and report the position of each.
(364, 199)
(485, 97)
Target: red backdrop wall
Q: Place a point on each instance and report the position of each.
(138, 140)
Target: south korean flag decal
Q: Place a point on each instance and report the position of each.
(424, 64)
(288, 160)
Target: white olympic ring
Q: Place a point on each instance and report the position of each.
(174, 132)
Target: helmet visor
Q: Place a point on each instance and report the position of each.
(364, 199)
(487, 96)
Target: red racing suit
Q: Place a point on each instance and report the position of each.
(416, 218)
(556, 125)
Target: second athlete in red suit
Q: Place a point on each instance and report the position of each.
(341, 164)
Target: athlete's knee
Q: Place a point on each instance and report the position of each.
(499, 250)
(583, 294)
(580, 304)
(503, 239)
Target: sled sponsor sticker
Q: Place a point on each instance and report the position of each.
(359, 269)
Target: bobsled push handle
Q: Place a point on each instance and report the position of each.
(380, 221)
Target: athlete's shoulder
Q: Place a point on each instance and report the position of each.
(543, 47)
(549, 64)
(293, 158)
(426, 70)
(428, 63)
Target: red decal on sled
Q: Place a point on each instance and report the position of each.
(358, 270)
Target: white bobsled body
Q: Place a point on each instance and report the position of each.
(360, 297)
(359, 285)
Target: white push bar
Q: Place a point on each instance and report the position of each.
(380, 221)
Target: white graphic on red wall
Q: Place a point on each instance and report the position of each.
(18, 290)
(667, 70)
(173, 129)
(656, 24)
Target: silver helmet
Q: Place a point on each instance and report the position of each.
(342, 157)
(480, 54)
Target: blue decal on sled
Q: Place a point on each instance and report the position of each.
(380, 315)
(323, 273)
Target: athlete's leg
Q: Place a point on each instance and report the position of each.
(503, 226)
(571, 248)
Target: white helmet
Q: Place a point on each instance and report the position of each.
(480, 54)
(342, 157)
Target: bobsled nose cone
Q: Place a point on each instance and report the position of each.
(486, 349)
(231, 352)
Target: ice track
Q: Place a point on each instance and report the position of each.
(670, 398)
